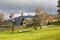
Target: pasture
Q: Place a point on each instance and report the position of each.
(50, 33)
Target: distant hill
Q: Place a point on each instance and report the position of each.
(28, 16)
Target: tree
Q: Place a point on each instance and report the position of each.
(41, 18)
(11, 17)
(45, 18)
(2, 17)
(58, 10)
(36, 21)
(36, 18)
(14, 21)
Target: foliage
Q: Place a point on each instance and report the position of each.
(58, 3)
(41, 17)
(58, 10)
(36, 20)
(2, 17)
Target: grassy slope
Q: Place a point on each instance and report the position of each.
(50, 33)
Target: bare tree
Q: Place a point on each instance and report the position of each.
(11, 17)
(36, 19)
(45, 18)
(2, 17)
(41, 18)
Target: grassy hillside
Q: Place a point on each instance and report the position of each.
(50, 33)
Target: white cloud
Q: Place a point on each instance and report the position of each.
(48, 5)
(29, 2)
(23, 3)
(17, 14)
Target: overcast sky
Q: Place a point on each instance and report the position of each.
(28, 5)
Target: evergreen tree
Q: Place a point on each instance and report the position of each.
(58, 10)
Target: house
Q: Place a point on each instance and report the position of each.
(19, 20)
(52, 18)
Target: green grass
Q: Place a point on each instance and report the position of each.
(50, 33)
